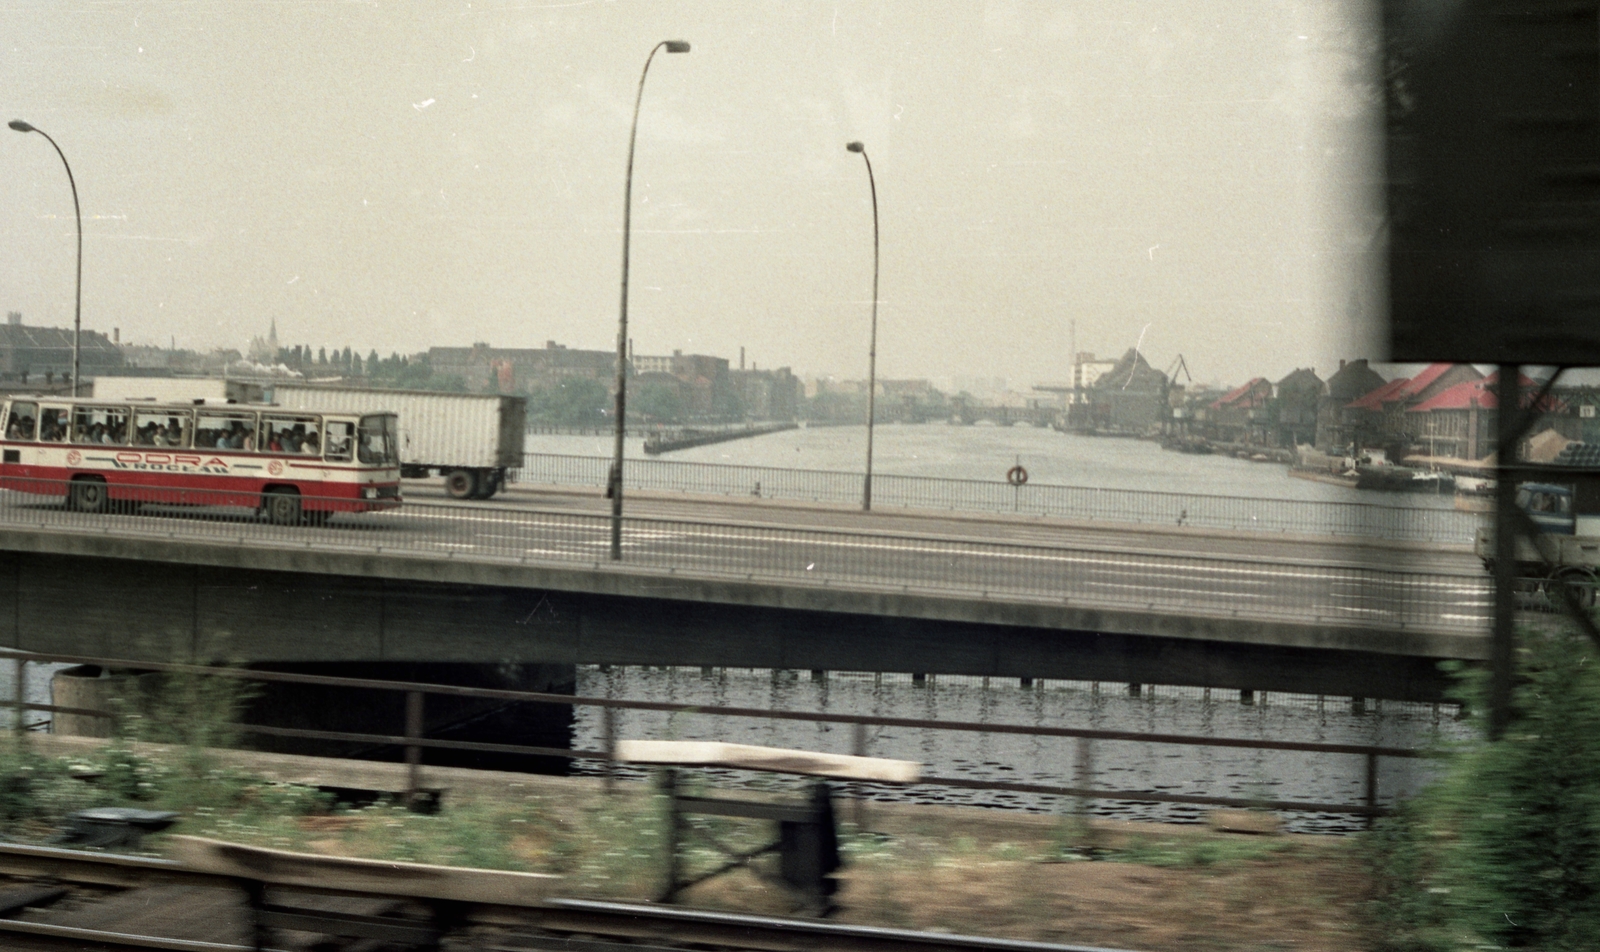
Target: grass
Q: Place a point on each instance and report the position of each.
(966, 871)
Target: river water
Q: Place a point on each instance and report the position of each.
(1113, 765)
(987, 452)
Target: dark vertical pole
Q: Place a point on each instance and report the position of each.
(858, 747)
(20, 688)
(608, 728)
(1502, 644)
(413, 752)
(1372, 789)
(669, 792)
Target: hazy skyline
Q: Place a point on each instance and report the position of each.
(395, 177)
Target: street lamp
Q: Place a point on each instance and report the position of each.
(614, 482)
(872, 350)
(77, 307)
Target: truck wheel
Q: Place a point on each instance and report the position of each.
(488, 483)
(282, 507)
(1581, 584)
(461, 484)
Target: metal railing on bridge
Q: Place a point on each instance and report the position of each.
(414, 741)
(1413, 523)
(1300, 591)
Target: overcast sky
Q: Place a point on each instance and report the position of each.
(396, 176)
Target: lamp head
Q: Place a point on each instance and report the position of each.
(856, 147)
(677, 46)
(20, 126)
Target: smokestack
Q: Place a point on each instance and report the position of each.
(14, 318)
(116, 335)
(741, 358)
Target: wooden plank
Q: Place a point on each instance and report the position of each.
(378, 877)
(692, 753)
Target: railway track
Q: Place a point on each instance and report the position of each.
(53, 899)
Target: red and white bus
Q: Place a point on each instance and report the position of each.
(293, 466)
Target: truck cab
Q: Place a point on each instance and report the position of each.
(1549, 506)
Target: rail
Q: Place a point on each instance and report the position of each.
(595, 926)
(1140, 507)
(412, 742)
(1347, 594)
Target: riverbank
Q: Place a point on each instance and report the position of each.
(1149, 886)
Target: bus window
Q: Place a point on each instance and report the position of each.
(53, 424)
(20, 425)
(225, 430)
(379, 445)
(340, 434)
(102, 425)
(290, 434)
(160, 428)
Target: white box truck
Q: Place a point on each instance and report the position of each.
(177, 389)
(470, 439)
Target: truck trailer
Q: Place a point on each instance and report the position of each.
(470, 439)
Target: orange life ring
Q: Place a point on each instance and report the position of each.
(1016, 475)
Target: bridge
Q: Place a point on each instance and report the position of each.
(748, 583)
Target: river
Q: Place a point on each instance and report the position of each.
(987, 452)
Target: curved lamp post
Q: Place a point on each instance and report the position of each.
(614, 481)
(872, 350)
(77, 307)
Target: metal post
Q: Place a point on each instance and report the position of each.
(858, 747)
(77, 214)
(1372, 788)
(669, 791)
(413, 752)
(1502, 644)
(20, 686)
(872, 348)
(608, 733)
(614, 483)
(1083, 770)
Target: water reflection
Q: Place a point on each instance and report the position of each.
(1126, 765)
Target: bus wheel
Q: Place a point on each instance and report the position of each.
(282, 507)
(87, 495)
(461, 484)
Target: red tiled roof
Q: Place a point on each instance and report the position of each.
(1423, 380)
(1237, 394)
(1376, 398)
(1480, 393)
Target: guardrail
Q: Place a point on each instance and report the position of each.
(1233, 587)
(413, 741)
(1142, 507)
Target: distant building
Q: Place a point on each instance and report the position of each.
(1336, 421)
(520, 369)
(1129, 397)
(1086, 370)
(1295, 404)
(767, 394)
(1379, 418)
(1459, 421)
(1242, 415)
(42, 356)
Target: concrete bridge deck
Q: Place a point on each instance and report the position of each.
(746, 585)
